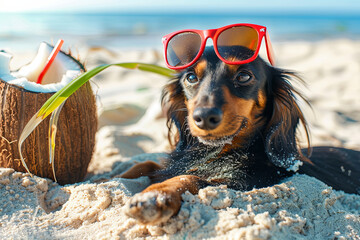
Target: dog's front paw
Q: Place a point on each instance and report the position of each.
(153, 207)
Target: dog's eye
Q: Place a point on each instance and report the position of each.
(243, 77)
(191, 78)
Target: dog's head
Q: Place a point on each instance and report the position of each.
(219, 104)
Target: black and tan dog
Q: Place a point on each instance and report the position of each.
(235, 125)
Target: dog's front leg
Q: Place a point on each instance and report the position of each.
(146, 168)
(160, 201)
(141, 169)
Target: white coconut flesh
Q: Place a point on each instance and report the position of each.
(61, 72)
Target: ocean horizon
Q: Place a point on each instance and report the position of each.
(21, 31)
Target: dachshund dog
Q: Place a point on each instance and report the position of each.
(235, 125)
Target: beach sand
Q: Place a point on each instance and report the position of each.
(132, 129)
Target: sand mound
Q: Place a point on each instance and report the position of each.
(301, 207)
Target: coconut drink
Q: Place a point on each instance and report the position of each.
(22, 95)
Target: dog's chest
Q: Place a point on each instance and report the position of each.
(219, 168)
(210, 165)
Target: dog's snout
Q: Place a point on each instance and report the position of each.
(207, 118)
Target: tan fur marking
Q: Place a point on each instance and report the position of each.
(200, 68)
(176, 185)
(235, 107)
(262, 99)
(232, 68)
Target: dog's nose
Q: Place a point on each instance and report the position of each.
(207, 118)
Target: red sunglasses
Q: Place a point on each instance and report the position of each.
(183, 48)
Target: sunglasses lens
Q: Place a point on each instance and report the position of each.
(238, 43)
(183, 48)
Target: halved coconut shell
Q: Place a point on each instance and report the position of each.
(75, 138)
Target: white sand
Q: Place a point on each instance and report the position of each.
(132, 125)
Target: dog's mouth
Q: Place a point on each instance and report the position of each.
(217, 141)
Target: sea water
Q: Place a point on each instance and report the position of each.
(22, 31)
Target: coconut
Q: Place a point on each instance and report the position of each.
(21, 97)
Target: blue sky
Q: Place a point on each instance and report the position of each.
(334, 6)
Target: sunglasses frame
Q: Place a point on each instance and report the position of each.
(214, 34)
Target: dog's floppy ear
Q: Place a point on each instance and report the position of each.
(173, 104)
(281, 144)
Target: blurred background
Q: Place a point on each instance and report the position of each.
(141, 24)
(320, 39)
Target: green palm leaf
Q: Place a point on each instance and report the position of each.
(55, 102)
(60, 96)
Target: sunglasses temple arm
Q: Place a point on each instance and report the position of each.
(269, 49)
